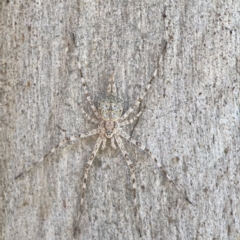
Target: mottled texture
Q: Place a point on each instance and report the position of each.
(190, 123)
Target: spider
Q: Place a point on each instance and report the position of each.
(110, 119)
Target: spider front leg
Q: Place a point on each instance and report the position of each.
(92, 120)
(139, 100)
(127, 122)
(87, 167)
(87, 94)
(63, 142)
(142, 147)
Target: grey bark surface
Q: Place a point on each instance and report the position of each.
(190, 121)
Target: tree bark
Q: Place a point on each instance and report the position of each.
(190, 118)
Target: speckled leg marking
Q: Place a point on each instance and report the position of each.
(113, 144)
(63, 142)
(146, 150)
(131, 168)
(112, 86)
(139, 100)
(133, 177)
(130, 121)
(87, 94)
(104, 140)
(92, 120)
(87, 167)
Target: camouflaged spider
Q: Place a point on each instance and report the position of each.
(110, 120)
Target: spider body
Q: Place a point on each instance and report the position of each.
(110, 120)
(110, 110)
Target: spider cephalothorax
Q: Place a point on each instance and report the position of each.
(110, 108)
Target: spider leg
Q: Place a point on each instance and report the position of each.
(104, 140)
(127, 122)
(142, 147)
(87, 94)
(63, 142)
(139, 100)
(113, 144)
(112, 86)
(133, 177)
(87, 167)
(92, 120)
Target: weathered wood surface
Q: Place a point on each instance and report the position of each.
(191, 120)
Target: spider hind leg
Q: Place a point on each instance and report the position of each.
(87, 168)
(146, 150)
(133, 178)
